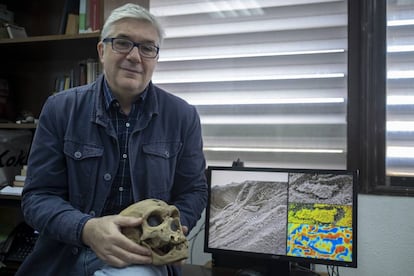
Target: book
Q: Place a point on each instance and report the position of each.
(18, 183)
(70, 8)
(15, 31)
(9, 190)
(20, 178)
(94, 15)
(59, 84)
(67, 82)
(23, 170)
(92, 70)
(82, 16)
(82, 73)
(72, 25)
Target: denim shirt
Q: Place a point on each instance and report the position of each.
(74, 159)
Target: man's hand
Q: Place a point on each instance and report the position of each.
(185, 229)
(103, 235)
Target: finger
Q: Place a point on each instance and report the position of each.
(123, 257)
(118, 255)
(133, 247)
(184, 229)
(126, 221)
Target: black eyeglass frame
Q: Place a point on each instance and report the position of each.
(134, 44)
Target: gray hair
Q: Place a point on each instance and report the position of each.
(135, 12)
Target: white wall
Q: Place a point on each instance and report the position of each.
(385, 238)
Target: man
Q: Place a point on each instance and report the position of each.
(101, 147)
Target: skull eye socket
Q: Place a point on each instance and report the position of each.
(154, 220)
(175, 226)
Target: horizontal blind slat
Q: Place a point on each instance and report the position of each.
(267, 81)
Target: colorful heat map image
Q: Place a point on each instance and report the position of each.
(322, 231)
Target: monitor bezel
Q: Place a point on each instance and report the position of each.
(275, 257)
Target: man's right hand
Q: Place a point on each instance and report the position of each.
(103, 235)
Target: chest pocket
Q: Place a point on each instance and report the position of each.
(82, 157)
(81, 151)
(165, 150)
(160, 163)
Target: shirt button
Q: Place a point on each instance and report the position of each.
(121, 189)
(124, 156)
(127, 125)
(92, 213)
(107, 176)
(78, 154)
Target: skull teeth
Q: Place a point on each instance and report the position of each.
(163, 250)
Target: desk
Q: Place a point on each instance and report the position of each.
(197, 270)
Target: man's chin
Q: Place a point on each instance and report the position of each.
(132, 85)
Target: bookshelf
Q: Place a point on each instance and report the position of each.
(31, 65)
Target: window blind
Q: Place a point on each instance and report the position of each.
(268, 78)
(400, 92)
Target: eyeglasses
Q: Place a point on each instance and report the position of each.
(125, 46)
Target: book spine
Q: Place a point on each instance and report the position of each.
(82, 16)
(72, 26)
(82, 73)
(20, 178)
(95, 15)
(18, 183)
(91, 70)
(66, 84)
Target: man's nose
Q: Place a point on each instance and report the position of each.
(134, 54)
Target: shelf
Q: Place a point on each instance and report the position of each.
(48, 38)
(10, 197)
(49, 48)
(17, 126)
(13, 201)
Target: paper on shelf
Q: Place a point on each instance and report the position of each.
(8, 190)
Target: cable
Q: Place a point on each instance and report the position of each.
(193, 239)
(298, 267)
(201, 228)
(332, 270)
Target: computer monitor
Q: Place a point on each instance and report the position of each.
(281, 216)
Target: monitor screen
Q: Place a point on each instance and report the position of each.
(285, 214)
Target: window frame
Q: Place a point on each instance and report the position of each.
(367, 97)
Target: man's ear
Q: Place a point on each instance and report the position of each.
(100, 48)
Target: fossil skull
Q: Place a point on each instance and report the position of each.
(160, 231)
